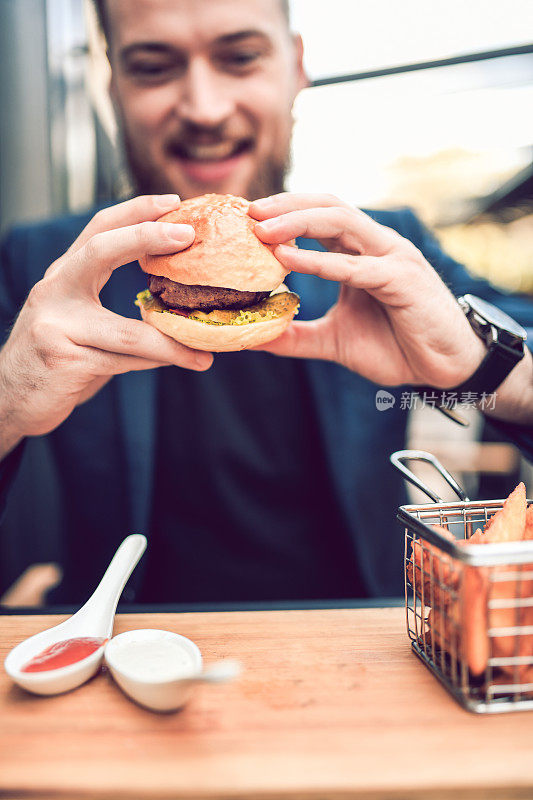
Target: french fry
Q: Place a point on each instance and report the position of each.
(508, 525)
(460, 618)
(528, 530)
(513, 523)
(443, 629)
(472, 600)
(474, 618)
(519, 587)
(428, 567)
(528, 610)
(477, 538)
(460, 626)
(513, 592)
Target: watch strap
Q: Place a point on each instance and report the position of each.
(505, 342)
(493, 370)
(491, 373)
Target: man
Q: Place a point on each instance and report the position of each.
(255, 477)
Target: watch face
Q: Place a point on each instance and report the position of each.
(494, 316)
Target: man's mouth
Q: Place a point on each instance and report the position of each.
(219, 151)
(209, 165)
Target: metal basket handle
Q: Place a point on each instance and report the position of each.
(397, 460)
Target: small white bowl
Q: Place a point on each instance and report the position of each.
(166, 693)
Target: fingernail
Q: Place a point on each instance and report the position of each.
(179, 233)
(168, 200)
(265, 201)
(267, 224)
(285, 250)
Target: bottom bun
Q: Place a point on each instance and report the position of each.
(271, 318)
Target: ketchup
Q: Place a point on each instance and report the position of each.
(61, 654)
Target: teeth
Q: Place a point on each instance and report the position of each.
(210, 152)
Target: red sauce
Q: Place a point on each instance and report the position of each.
(61, 654)
(179, 311)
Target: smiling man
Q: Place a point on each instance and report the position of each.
(256, 477)
(204, 93)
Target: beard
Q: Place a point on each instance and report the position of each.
(143, 178)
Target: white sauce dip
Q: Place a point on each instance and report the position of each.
(159, 657)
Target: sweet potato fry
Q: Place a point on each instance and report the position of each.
(460, 626)
(512, 592)
(477, 538)
(460, 618)
(443, 629)
(513, 523)
(528, 530)
(474, 611)
(483, 584)
(429, 566)
(508, 525)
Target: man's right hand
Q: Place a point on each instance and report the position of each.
(64, 345)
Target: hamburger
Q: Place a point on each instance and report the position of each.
(225, 291)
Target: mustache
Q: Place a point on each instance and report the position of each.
(191, 133)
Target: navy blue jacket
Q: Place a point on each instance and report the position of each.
(88, 484)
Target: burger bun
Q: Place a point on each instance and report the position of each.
(225, 252)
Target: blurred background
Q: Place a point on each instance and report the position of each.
(388, 120)
(421, 103)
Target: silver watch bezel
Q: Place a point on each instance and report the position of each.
(492, 324)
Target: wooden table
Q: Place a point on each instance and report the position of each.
(333, 704)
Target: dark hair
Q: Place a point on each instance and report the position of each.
(100, 6)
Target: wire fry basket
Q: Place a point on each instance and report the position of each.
(469, 610)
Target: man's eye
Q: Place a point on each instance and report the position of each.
(241, 60)
(148, 69)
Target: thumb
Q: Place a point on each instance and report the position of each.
(302, 340)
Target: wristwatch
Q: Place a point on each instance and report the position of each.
(505, 340)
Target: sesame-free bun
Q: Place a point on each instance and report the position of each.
(219, 338)
(225, 252)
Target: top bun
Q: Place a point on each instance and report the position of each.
(225, 252)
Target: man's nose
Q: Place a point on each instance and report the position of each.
(202, 99)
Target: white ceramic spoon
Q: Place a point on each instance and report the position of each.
(94, 619)
(159, 669)
(222, 671)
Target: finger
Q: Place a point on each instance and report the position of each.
(353, 229)
(104, 364)
(284, 202)
(360, 272)
(109, 332)
(145, 208)
(302, 340)
(91, 266)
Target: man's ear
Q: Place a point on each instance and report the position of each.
(302, 79)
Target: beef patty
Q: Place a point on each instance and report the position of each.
(201, 297)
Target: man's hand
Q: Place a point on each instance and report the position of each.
(394, 322)
(64, 345)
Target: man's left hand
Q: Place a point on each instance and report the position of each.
(395, 322)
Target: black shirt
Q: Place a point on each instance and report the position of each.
(243, 507)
